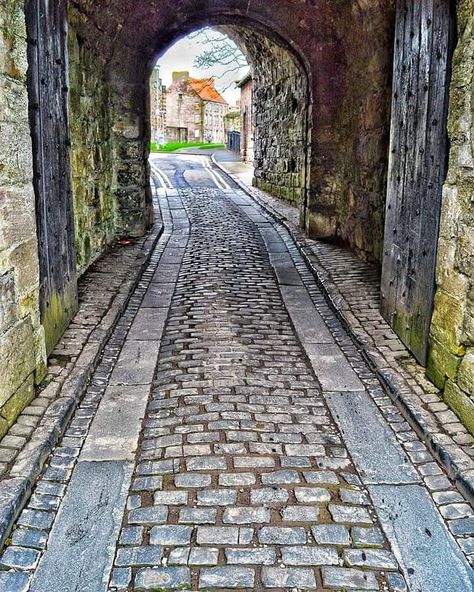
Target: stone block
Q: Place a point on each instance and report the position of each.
(465, 377)
(24, 258)
(442, 363)
(447, 325)
(460, 403)
(18, 361)
(8, 304)
(15, 151)
(17, 215)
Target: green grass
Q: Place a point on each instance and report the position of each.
(173, 146)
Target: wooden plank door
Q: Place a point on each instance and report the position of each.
(48, 107)
(424, 37)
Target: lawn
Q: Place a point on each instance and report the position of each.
(173, 146)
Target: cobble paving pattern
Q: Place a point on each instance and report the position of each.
(354, 287)
(30, 536)
(242, 479)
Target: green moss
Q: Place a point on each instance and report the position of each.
(4, 427)
(57, 316)
(460, 403)
(442, 363)
(465, 378)
(17, 402)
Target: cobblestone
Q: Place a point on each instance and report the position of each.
(14, 582)
(139, 556)
(254, 556)
(367, 537)
(170, 535)
(18, 557)
(228, 576)
(280, 577)
(331, 534)
(251, 482)
(162, 578)
(148, 516)
(349, 579)
(217, 497)
(197, 516)
(375, 559)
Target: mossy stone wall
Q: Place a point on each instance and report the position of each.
(92, 154)
(451, 356)
(22, 347)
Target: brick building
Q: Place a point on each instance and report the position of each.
(194, 110)
(246, 118)
(157, 107)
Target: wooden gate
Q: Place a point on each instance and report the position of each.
(48, 107)
(424, 37)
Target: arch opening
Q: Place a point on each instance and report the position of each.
(274, 113)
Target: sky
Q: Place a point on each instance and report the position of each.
(181, 56)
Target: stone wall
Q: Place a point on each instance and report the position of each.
(350, 151)
(451, 358)
(22, 351)
(93, 153)
(280, 117)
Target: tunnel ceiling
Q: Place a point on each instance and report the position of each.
(144, 28)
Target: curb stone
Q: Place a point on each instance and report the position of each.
(17, 485)
(443, 448)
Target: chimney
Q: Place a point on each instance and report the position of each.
(180, 77)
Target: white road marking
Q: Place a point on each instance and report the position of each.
(216, 177)
(162, 176)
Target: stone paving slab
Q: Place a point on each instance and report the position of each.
(136, 363)
(379, 456)
(148, 324)
(115, 430)
(315, 331)
(90, 515)
(332, 368)
(421, 542)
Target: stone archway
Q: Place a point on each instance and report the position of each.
(345, 51)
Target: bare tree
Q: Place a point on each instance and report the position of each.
(218, 50)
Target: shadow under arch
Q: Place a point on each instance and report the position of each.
(344, 50)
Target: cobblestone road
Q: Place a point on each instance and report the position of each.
(262, 461)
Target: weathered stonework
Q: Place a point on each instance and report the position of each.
(92, 154)
(321, 101)
(280, 117)
(22, 351)
(451, 361)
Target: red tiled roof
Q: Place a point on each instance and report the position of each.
(204, 88)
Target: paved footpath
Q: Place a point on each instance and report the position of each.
(232, 438)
